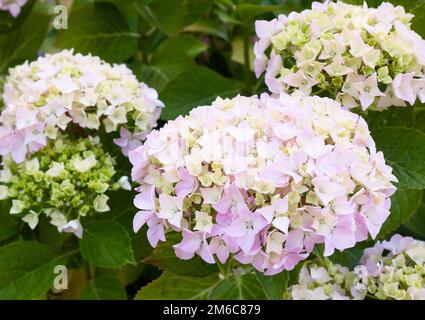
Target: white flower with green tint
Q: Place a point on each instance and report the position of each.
(357, 55)
(65, 181)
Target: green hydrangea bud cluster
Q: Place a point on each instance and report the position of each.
(65, 181)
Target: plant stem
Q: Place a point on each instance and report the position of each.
(246, 51)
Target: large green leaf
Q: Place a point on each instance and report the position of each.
(392, 117)
(248, 11)
(173, 57)
(350, 257)
(210, 26)
(106, 244)
(166, 15)
(273, 286)
(196, 87)
(171, 286)
(9, 225)
(245, 287)
(24, 40)
(417, 222)
(404, 203)
(27, 269)
(104, 288)
(164, 258)
(404, 150)
(183, 45)
(161, 73)
(101, 30)
(196, 9)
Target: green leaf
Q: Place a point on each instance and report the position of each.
(106, 244)
(104, 288)
(183, 45)
(158, 75)
(23, 42)
(49, 235)
(196, 87)
(171, 286)
(403, 204)
(392, 117)
(27, 269)
(9, 225)
(166, 15)
(273, 286)
(417, 222)
(164, 258)
(404, 150)
(173, 57)
(101, 30)
(196, 9)
(248, 11)
(349, 257)
(245, 287)
(213, 27)
(419, 119)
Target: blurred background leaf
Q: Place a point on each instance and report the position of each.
(101, 30)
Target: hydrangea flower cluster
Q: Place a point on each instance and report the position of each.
(65, 181)
(61, 90)
(393, 269)
(13, 6)
(358, 55)
(317, 282)
(262, 180)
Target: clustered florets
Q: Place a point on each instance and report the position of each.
(263, 179)
(317, 282)
(13, 6)
(66, 180)
(355, 54)
(392, 269)
(63, 89)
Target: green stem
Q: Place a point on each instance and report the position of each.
(246, 51)
(90, 270)
(224, 268)
(257, 85)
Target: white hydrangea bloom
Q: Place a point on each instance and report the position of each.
(361, 56)
(45, 96)
(321, 283)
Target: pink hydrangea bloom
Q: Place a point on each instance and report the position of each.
(263, 180)
(363, 57)
(45, 96)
